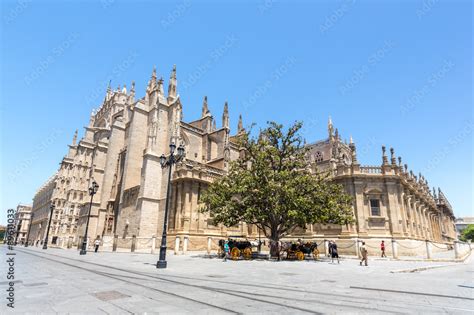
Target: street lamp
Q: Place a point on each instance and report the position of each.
(168, 162)
(92, 191)
(45, 243)
(29, 229)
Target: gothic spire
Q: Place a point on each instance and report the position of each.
(74, 139)
(330, 128)
(108, 94)
(352, 146)
(240, 125)
(225, 116)
(384, 156)
(205, 109)
(392, 157)
(152, 82)
(172, 84)
(131, 98)
(161, 90)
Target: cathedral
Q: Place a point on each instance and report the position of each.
(121, 150)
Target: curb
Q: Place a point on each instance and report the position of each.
(419, 269)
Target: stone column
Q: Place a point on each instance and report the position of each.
(185, 244)
(209, 245)
(193, 207)
(416, 218)
(176, 245)
(360, 208)
(457, 252)
(134, 243)
(187, 206)
(116, 143)
(428, 250)
(357, 247)
(114, 244)
(326, 247)
(392, 209)
(179, 207)
(394, 249)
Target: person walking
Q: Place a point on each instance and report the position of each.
(382, 248)
(96, 244)
(333, 251)
(226, 250)
(363, 252)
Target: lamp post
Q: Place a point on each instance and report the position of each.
(45, 243)
(168, 162)
(92, 191)
(29, 229)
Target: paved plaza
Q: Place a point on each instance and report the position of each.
(62, 281)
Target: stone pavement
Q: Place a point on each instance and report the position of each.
(61, 281)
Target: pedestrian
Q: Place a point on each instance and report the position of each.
(382, 248)
(363, 252)
(334, 253)
(96, 244)
(226, 250)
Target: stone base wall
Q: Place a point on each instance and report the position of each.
(181, 244)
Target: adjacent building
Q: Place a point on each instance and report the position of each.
(120, 151)
(462, 223)
(41, 208)
(22, 223)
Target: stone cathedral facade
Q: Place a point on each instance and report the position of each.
(121, 147)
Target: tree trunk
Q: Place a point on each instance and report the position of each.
(275, 244)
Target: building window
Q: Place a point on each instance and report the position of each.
(375, 207)
(318, 157)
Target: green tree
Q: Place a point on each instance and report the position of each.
(272, 187)
(468, 233)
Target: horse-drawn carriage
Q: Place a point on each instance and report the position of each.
(237, 248)
(298, 250)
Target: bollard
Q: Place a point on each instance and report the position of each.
(153, 244)
(457, 254)
(176, 245)
(209, 244)
(114, 244)
(134, 243)
(428, 250)
(326, 248)
(185, 245)
(394, 249)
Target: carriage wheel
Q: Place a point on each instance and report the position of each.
(299, 255)
(316, 254)
(235, 253)
(247, 253)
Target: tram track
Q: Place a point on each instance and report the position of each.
(254, 296)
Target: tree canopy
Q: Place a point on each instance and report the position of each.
(271, 186)
(468, 233)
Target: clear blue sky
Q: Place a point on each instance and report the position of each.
(398, 73)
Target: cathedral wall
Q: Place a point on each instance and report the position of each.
(136, 143)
